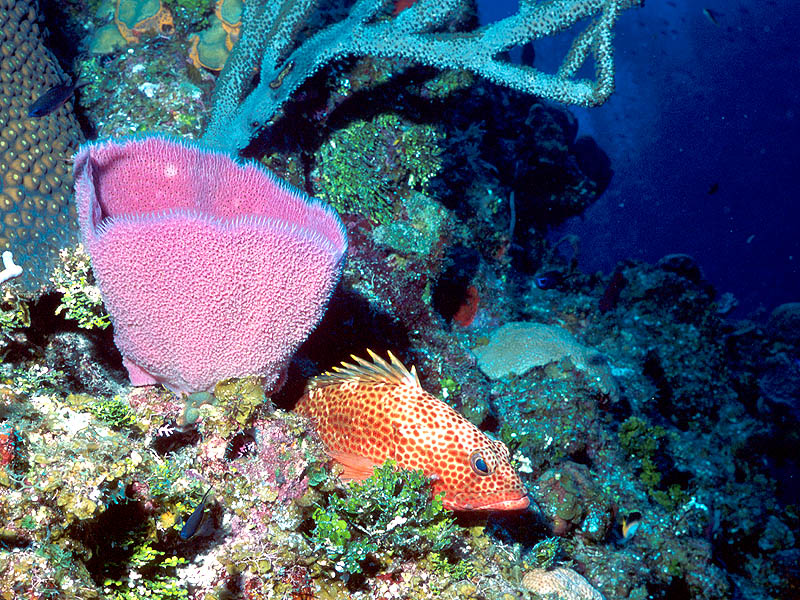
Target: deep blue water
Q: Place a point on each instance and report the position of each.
(704, 137)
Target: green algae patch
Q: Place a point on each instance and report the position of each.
(231, 409)
(648, 444)
(81, 300)
(364, 167)
(113, 411)
(390, 513)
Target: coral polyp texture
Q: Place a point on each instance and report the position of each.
(36, 219)
(209, 268)
(560, 582)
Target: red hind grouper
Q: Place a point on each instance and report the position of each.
(370, 412)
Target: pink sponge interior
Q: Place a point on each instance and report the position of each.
(209, 268)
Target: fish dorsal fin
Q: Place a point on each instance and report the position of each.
(378, 371)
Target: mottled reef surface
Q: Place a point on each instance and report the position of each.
(654, 432)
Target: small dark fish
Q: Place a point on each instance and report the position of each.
(548, 280)
(712, 16)
(713, 188)
(193, 522)
(53, 99)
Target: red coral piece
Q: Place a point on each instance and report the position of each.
(465, 314)
(7, 445)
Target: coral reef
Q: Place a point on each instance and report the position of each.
(35, 179)
(140, 90)
(132, 21)
(211, 47)
(662, 472)
(570, 500)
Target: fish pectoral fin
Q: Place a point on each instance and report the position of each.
(356, 467)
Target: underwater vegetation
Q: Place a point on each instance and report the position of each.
(650, 434)
(389, 512)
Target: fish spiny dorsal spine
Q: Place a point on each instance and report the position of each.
(378, 371)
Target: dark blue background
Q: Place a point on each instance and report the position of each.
(699, 104)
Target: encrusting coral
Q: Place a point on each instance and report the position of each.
(36, 218)
(135, 18)
(131, 21)
(517, 347)
(563, 583)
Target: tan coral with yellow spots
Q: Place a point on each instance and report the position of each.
(36, 216)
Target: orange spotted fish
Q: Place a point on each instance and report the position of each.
(369, 412)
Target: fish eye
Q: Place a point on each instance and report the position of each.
(479, 465)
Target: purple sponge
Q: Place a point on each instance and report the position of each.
(209, 268)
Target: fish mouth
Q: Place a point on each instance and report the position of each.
(519, 503)
(515, 504)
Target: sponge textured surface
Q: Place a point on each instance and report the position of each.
(209, 269)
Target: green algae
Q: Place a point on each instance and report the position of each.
(646, 443)
(14, 313)
(233, 405)
(81, 300)
(544, 554)
(32, 379)
(114, 411)
(390, 513)
(145, 572)
(364, 167)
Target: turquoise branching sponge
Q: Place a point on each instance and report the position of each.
(268, 41)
